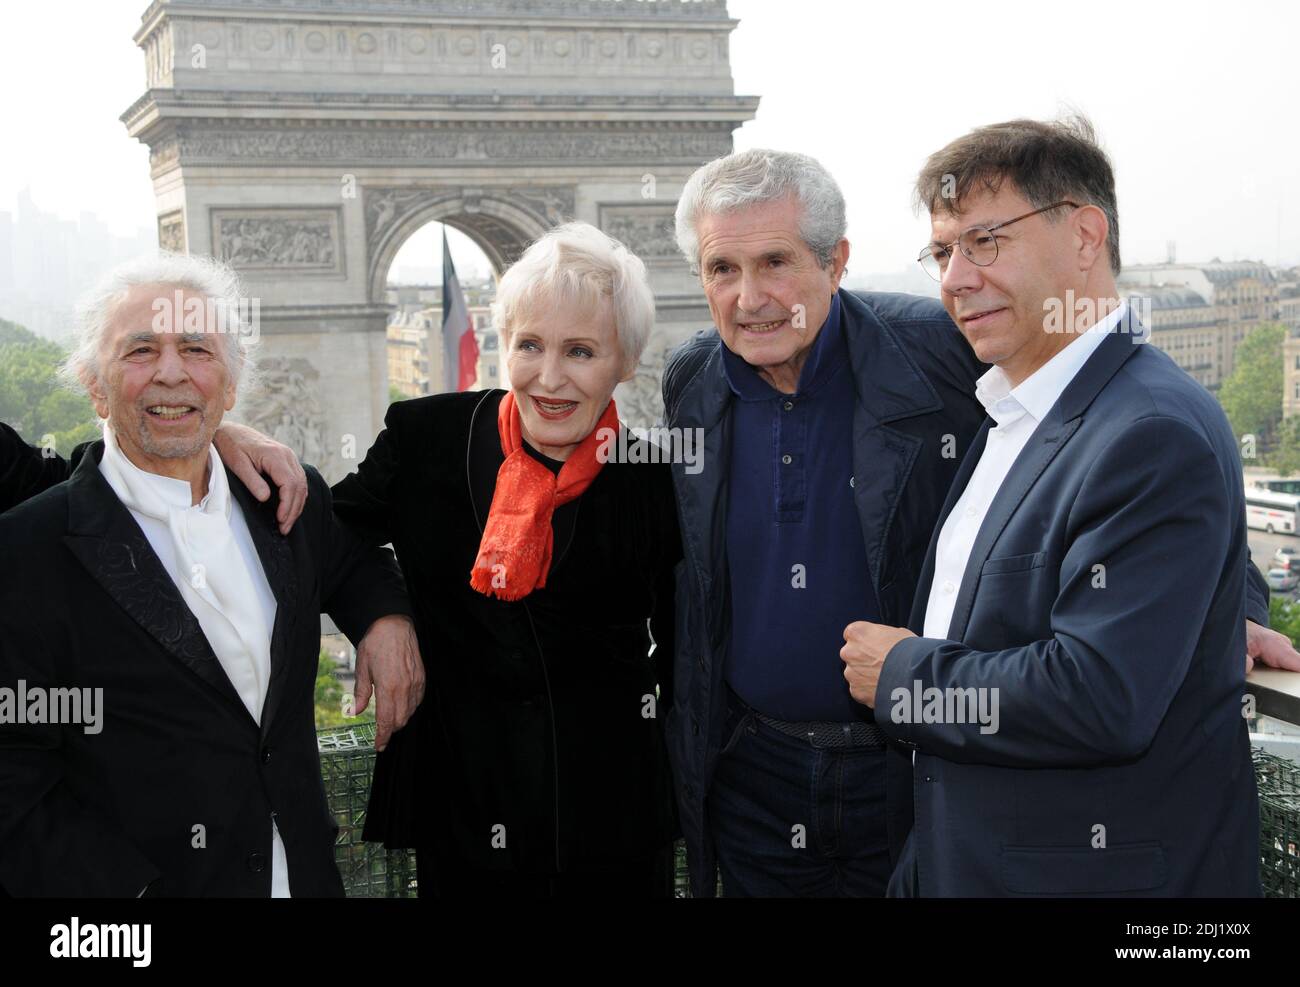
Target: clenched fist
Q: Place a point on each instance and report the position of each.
(864, 651)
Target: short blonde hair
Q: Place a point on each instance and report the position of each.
(576, 266)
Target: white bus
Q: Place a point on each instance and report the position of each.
(1272, 512)
(1274, 483)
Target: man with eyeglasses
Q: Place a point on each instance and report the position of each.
(1073, 691)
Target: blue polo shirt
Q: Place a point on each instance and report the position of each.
(795, 551)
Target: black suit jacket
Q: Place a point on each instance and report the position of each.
(178, 790)
(25, 470)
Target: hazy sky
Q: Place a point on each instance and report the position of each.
(1196, 103)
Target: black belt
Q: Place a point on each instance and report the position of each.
(837, 736)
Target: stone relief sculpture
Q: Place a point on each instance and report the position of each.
(171, 232)
(640, 400)
(347, 146)
(648, 231)
(285, 405)
(383, 205)
(297, 240)
(555, 205)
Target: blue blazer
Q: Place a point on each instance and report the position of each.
(1105, 601)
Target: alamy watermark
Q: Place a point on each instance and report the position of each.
(40, 705)
(1079, 315)
(920, 704)
(202, 314)
(657, 444)
(132, 941)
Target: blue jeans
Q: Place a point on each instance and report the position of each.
(792, 820)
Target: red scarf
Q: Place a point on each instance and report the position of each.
(514, 554)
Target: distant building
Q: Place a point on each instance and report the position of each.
(414, 357)
(1202, 312)
(1288, 313)
(46, 263)
(408, 353)
(1183, 325)
(491, 368)
(1288, 299)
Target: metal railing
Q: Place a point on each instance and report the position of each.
(347, 757)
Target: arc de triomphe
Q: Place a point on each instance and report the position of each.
(305, 140)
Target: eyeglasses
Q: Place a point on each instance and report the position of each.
(978, 244)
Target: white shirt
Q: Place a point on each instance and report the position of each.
(250, 683)
(1017, 412)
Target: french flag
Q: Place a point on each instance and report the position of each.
(459, 344)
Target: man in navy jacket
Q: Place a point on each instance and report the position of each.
(911, 378)
(1074, 696)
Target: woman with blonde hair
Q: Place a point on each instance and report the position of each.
(538, 571)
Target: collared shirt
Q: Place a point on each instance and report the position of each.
(1016, 412)
(795, 552)
(177, 493)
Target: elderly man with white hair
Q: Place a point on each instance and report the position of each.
(155, 587)
(535, 550)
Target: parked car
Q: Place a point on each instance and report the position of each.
(1287, 557)
(1283, 580)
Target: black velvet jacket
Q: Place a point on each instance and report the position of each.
(539, 728)
(86, 604)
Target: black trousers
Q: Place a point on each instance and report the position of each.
(649, 875)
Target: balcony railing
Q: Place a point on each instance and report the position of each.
(370, 871)
(1277, 695)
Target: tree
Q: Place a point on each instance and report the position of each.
(1285, 457)
(1284, 618)
(33, 400)
(329, 697)
(1252, 394)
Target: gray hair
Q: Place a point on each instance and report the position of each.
(750, 177)
(202, 275)
(576, 265)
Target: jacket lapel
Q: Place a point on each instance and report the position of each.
(278, 565)
(703, 495)
(922, 599)
(106, 540)
(889, 387)
(1062, 421)
(1048, 440)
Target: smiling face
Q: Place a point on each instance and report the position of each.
(563, 369)
(163, 393)
(1000, 308)
(766, 291)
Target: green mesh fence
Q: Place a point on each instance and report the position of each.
(347, 757)
(1279, 824)
(347, 760)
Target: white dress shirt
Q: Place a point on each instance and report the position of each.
(1017, 412)
(248, 668)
